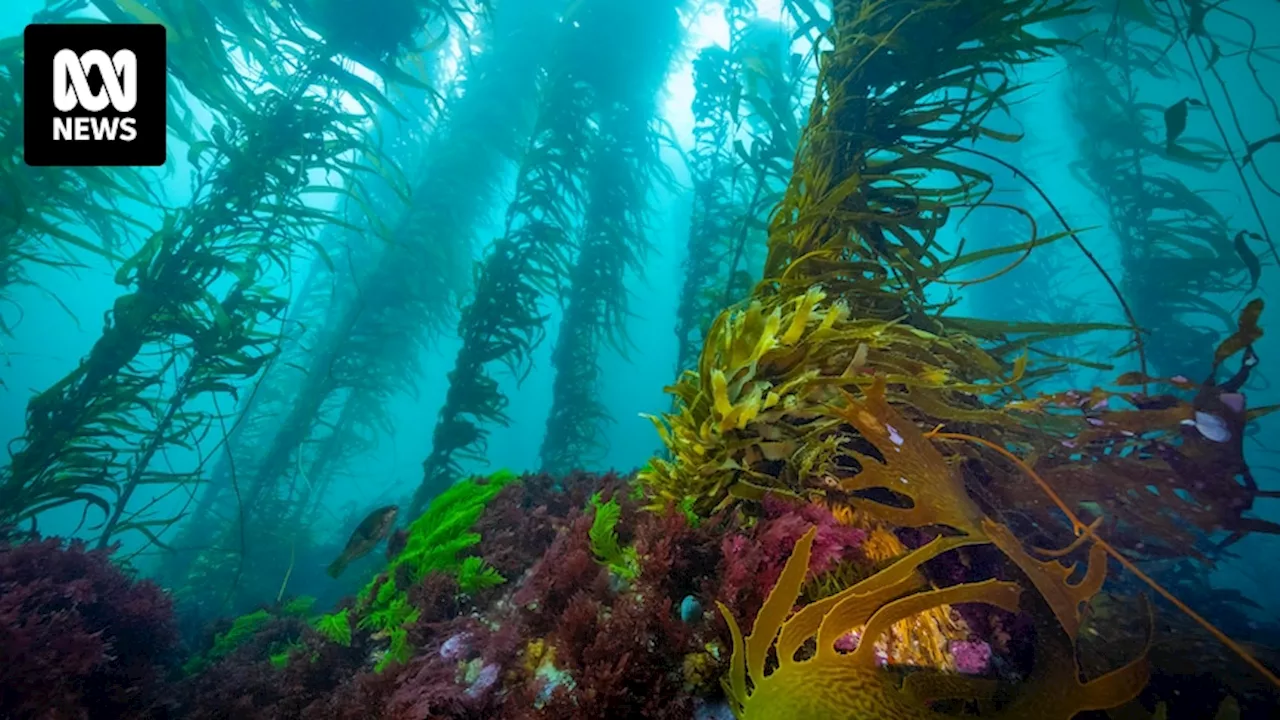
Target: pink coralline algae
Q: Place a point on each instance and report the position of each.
(973, 657)
(751, 561)
(848, 642)
(833, 544)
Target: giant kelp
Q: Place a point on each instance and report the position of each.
(1191, 26)
(504, 321)
(744, 110)
(853, 226)
(404, 290)
(305, 371)
(595, 316)
(712, 217)
(238, 507)
(249, 215)
(54, 217)
(623, 167)
(840, 393)
(1181, 270)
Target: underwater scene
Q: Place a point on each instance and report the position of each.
(645, 359)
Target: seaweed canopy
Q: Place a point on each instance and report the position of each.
(795, 396)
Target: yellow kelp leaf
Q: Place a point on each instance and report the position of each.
(801, 317)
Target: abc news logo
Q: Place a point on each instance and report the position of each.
(71, 91)
(94, 95)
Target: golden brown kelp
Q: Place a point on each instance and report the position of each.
(827, 683)
(625, 72)
(825, 384)
(857, 224)
(1181, 273)
(503, 323)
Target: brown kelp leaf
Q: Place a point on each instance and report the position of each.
(1053, 579)
(1133, 378)
(1246, 334)
(1248, 258)
(1255, 146)
(1175, 119)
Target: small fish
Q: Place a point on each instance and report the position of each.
(366, 537)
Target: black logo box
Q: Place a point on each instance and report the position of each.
(41, 41)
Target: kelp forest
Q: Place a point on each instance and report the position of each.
(661, 359)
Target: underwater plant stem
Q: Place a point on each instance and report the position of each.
(740, 242)
(1115, 289)
(1222, 132)
(293, 546)
(235, 488)
(1080, 529)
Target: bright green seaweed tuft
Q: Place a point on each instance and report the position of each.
(434, 543)
(242, 628)
(336, 627)
(475, 574)
(622, 561)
